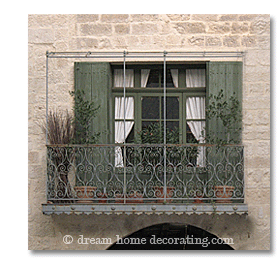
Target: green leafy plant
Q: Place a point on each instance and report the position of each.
(154, 134)
(154, 156)
(228, 112)
(84, 113)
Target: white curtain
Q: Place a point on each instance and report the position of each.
(144, 77)
(121, 130)
(195, 78)
(175, 77)
(195, 109)
(119, 78)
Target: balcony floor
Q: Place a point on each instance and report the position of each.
(138, 209)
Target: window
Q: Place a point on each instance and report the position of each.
(189, 87)
(185, 100)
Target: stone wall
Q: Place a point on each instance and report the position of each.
(212, 32)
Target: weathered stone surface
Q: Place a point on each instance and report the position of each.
(263, 41)
(144, 29)
(48, 20)
(95, 29)
(114, 18)
(196, 40)
(231, 41)
(86, 43)
(247, 17)
(144, 17)
(179, 17)
(61, 34)
(248, 41)
(204, 17)
(122, 29)
(87, 18)
(238, 28)
(228, 17)
(219, 28)
(213, 41)
(258, 57)
(258, 74)
(189, 28)
(42, 35)
(260, 26)
(104, 43)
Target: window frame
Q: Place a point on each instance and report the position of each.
(137, 92)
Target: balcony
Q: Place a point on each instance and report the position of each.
(145, 179)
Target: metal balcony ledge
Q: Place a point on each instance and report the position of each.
(149, 209)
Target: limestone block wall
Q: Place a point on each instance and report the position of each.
(157, 32)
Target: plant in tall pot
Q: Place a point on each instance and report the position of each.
(60, 131)
(227, 113)
(154, 158)
(84, 112)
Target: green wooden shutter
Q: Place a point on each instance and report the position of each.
(226, 76)
(94, 79)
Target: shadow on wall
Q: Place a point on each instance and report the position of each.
(171, 237)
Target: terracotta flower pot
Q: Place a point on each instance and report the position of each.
(137, 198)
(130, 198)
(198, 198)
(102, 198)
(159, 193)
(223, 193)
(85, 194)
(119, 198)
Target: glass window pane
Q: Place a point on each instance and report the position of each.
(172, 125)
(153, 80)
(190, 138)
(130, 137)
(169, 79)
(172, 132)
(150, 107)
(172, 107)
(151, 133)
(146, 124)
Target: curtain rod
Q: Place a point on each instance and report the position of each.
(153, 54)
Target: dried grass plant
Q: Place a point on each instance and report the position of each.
(59, 127)
(60, 130)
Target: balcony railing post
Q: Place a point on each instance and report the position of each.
(124, 191)
(164, 117)
(46, 116)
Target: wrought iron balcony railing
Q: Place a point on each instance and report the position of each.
(133, 174)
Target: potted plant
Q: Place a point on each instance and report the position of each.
(84, 113)
(154, 157)
(60, 131)
(227, 113)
